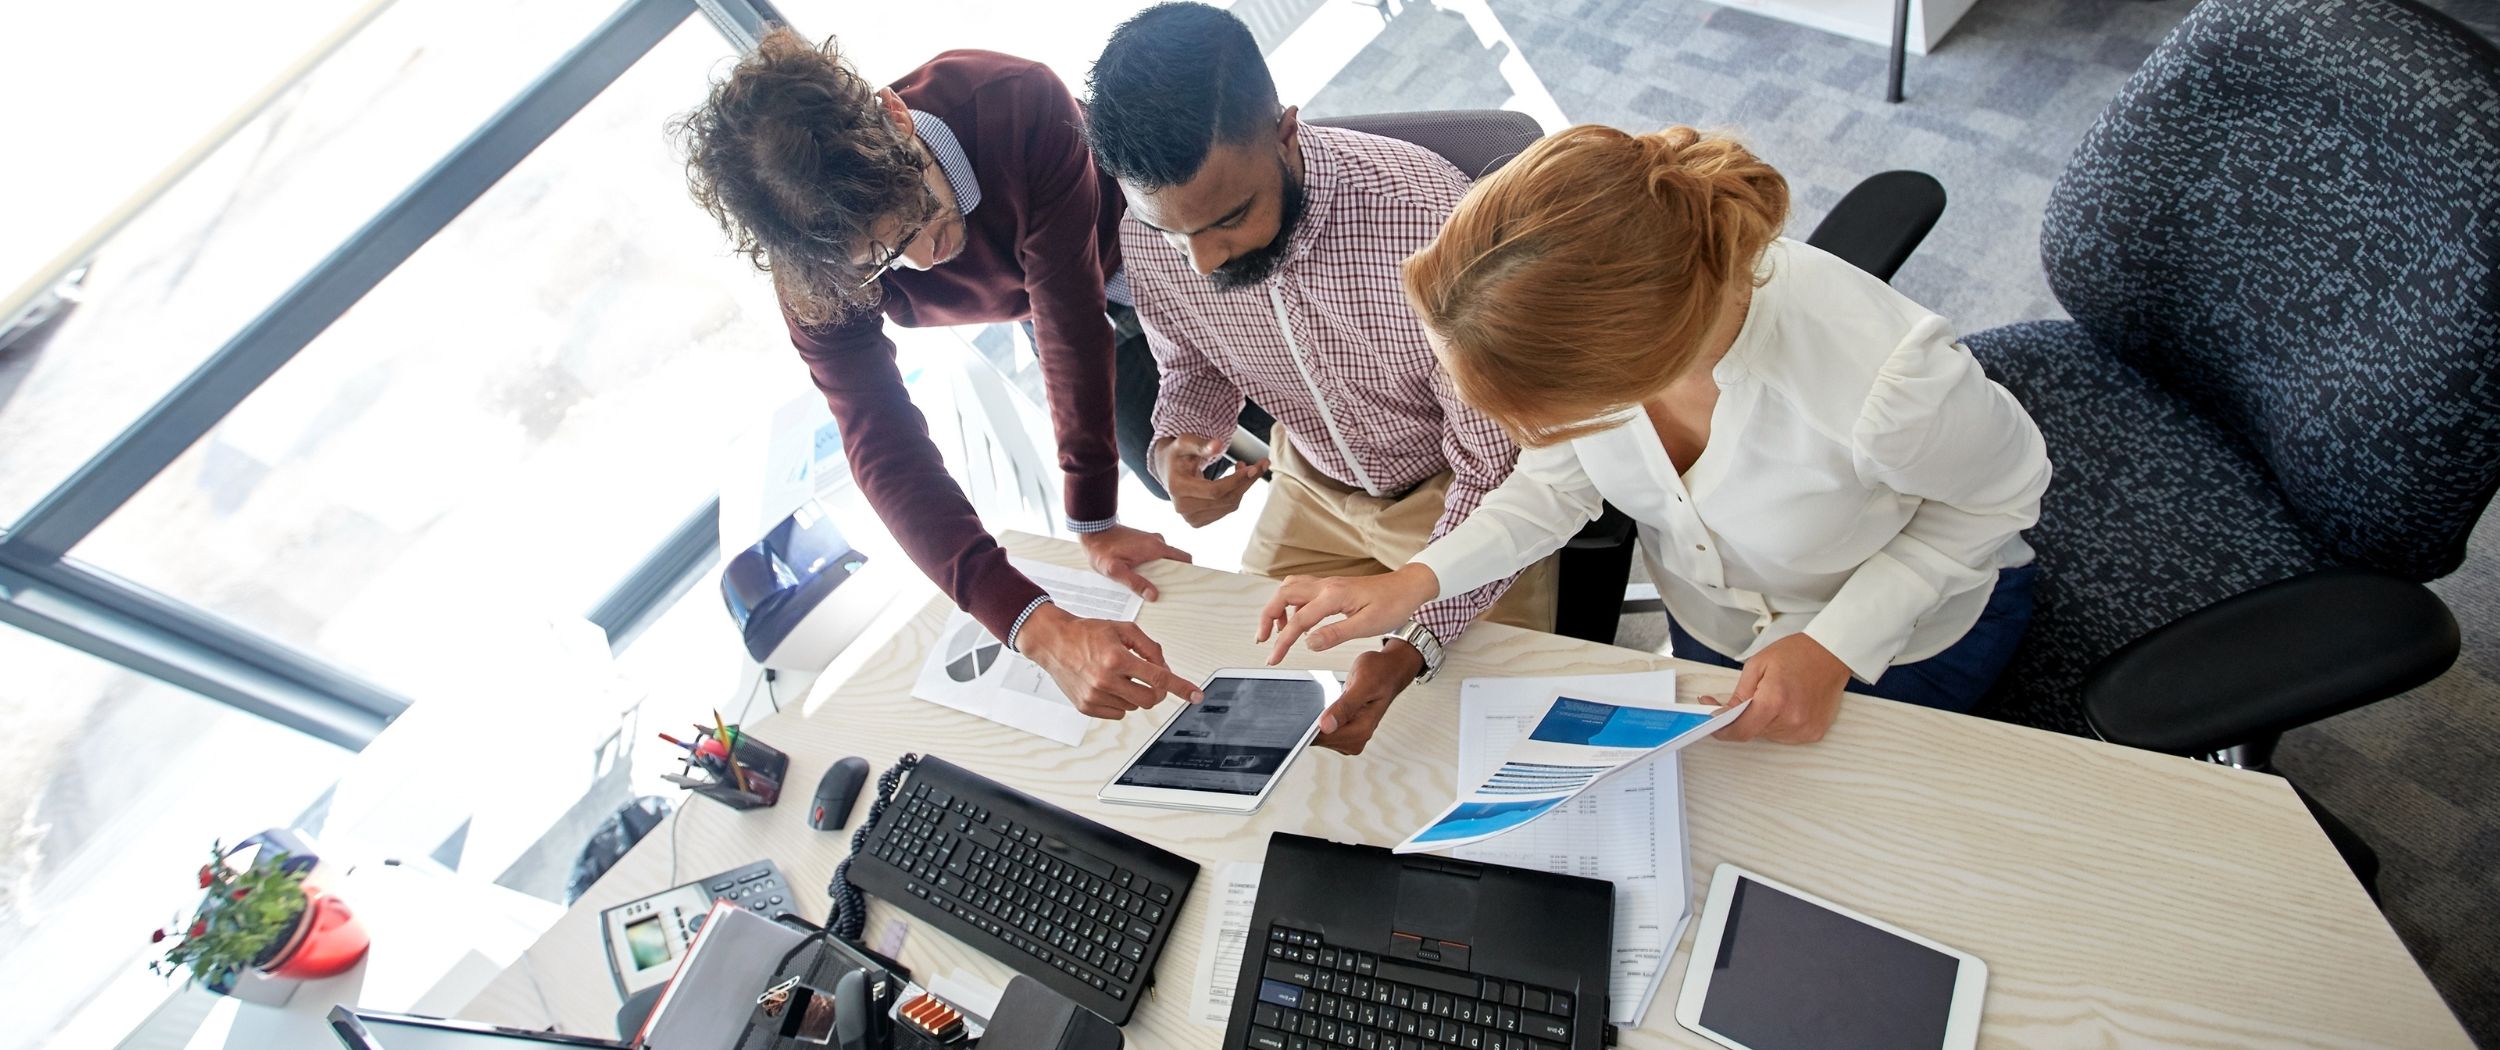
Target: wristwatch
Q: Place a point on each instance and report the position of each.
(1417, 635)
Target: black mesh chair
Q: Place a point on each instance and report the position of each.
(1875, 226)
(2277, 408)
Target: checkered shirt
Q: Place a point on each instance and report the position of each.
(1369, 202)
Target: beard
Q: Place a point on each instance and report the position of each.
(1253, 268)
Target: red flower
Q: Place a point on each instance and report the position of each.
(239, 894)
(198, 927)
(204, 879)
(156, 936)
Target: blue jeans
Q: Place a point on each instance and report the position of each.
(1954, 679)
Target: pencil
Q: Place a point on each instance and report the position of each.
(728, 745)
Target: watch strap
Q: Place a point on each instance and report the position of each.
(1425, 643)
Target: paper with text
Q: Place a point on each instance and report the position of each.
(970, 671)
(1221, 940)
(1575, 742)
(1627, 830)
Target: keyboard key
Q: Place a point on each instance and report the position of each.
(1533, 999)
(1562, 1004)
(1544, 1026)
(1423, 977)
(1281, 994)
(1290, 973)
(1267, 1038)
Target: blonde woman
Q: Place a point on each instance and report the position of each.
(1827, 487)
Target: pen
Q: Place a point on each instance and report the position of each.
(677, 742)
(729, 745)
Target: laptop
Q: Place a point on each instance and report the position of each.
(377, 1030)
(1355, 946)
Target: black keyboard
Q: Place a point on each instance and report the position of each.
(1075, 905)
(1315, 996)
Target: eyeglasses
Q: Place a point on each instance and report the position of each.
(929, 208)
(895, 255)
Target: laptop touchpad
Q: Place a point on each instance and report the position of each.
(1436, 905)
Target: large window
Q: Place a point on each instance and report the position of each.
(224, 240)
(512, 420)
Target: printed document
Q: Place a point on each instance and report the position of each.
(1220, 943)
(1627, 830)
(974, 673)
(1576, 742)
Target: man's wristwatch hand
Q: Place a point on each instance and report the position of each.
(1421, 639)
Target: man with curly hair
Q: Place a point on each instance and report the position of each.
(961, 194)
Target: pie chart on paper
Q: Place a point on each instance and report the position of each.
(970, 653)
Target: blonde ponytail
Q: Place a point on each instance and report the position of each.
(1582, 277)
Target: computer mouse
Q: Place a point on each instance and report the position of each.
(836, 793)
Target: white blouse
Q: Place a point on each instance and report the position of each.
(1863, 482)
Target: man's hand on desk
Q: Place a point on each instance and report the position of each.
(1795, 685)
(1118, 551)
(1200, 501)
(1379, 676)
(1108, 667)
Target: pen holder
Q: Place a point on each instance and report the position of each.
(765, 768)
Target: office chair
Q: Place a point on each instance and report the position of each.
(2277, 408)
(1875, 226)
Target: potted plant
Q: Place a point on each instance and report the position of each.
(263, 917)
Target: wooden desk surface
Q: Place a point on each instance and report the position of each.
(2119, 897)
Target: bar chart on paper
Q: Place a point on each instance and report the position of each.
(1627, 830)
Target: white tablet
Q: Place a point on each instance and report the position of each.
(1774, 968)
(1226, 752)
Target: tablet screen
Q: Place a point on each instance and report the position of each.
(1232, 741)
(1793, 975)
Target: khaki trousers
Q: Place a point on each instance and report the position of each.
(1315, 525)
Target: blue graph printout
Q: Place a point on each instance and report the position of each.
(1576, 743)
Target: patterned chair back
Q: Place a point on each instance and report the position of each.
(2290, 217)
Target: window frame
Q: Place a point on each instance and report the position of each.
(44, 591)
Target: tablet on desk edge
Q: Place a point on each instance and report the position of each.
(1873, 985)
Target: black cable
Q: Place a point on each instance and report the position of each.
(850, 907)
(770, 696)
(748, 702)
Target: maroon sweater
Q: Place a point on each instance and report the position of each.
(1041, 243)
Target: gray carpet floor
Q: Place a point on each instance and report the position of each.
(1993, 114)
